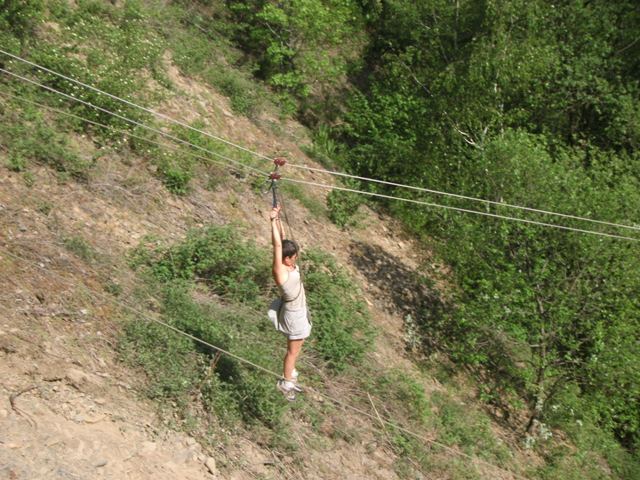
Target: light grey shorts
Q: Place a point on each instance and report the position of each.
(294, 324)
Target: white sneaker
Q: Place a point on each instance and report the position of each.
(294, 376)
(287, 388)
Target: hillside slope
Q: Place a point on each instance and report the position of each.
(76, 410)
(102, 233)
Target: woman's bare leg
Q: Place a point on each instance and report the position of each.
(293, 350)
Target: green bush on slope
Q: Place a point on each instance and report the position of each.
(216, 286)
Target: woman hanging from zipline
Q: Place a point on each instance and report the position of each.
(288, 313)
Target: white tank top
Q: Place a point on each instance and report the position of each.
(292, 292)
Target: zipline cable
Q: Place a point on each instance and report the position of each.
(464, 197)
(254, 171)
(318, 170)
(371, 194)
(457, 209)
(121, 117)
(132, 104)
(364, 413)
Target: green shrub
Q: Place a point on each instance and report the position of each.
(324, 148)
(401, 393)
(16, 162)
(315, 207)
(80, 247)
(194, 49)
(110, 47)
(412, 453)
(343, 207)
(342, 332)
(176, 171)
(470, 430)
(218, 256)
(52, 148)
(240, 90)
(169, 360)
(301, 47)
(179, 367)
(30, 138)
(19, 17)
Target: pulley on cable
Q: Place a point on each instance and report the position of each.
(274, 177)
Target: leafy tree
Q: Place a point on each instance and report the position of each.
(528, 103)
(302, 47)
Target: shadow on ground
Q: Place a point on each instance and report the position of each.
(407, 292)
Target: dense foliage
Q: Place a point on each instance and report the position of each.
(534, 103)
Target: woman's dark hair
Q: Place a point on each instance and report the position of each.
(289, 248)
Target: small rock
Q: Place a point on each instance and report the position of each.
(210, 463)
(76, 377)
(190, 441)
(3, 413)
(101, 463)
(100, 401)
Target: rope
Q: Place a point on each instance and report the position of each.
(262, 173)
(138, 137)
(264, 157)
(286, 218)
(345, 405)
(475, 199)
(133, 122)
(148, 110)
(372, 194)
(457, 209)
